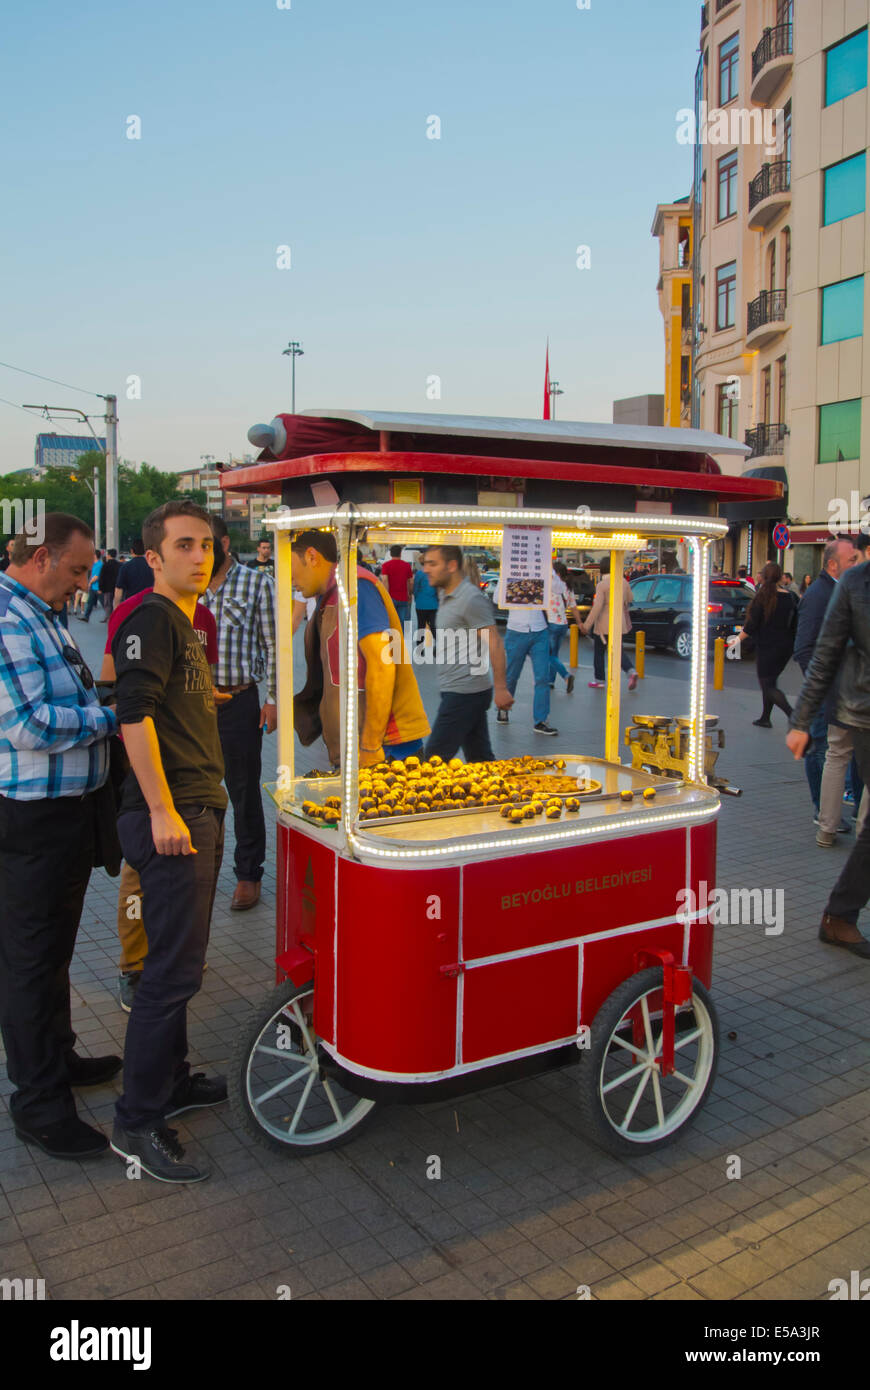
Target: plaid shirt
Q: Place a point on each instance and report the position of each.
(54, 734)
(244, 610)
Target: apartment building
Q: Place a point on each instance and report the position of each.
(673, 227)
(779, 226)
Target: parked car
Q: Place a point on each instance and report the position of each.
(662, 609)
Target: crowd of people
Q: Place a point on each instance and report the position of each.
(135, 771)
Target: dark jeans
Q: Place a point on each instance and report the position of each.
(852, 889)
(179, 890)
(242, 743)
(404, 611)
(815, 758)
(46, 856)
(93, 599)
(426, 618)
(461, 723)
(599, 658)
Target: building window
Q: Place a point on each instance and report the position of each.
(729, 59)
(685, 379)
(765, 396)
(786, 256)
(780, 391)
(727, 186)
(846, 67)
(686, 306)
(771, 266)
(786, 133)
(727, 406)
(843, 310)
(844, 189)
(726, 294)
(839, 431)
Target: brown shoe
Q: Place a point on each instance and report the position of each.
(835, 932)
(248, 895)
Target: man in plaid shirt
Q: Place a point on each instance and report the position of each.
(54, 758)
(243, 603)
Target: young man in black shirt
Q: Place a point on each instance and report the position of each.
(134, 575)
(171, 827)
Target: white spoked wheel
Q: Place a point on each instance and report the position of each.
(628, 1101)
(278, 1086)
(683, 643)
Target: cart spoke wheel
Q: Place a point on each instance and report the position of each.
(628, 1100)
(279, 1086)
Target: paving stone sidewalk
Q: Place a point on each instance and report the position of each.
(526, 1208)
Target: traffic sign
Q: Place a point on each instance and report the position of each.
(781, 536)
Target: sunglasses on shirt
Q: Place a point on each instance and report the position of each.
(77, 660)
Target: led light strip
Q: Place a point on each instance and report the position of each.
(667, 525)
(468, 847)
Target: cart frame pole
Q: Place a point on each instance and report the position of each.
(345, 578)
(284, 638)
(614, 658)
(700, 549)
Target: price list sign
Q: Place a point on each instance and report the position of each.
(526, 567)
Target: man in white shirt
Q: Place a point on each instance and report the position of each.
(528, 636)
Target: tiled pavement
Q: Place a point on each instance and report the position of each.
(526, 1208)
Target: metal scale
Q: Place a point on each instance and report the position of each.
(660, 743)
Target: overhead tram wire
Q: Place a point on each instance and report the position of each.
(52, 379)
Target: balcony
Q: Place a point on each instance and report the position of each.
(765, 440)
(771, 62)
(769, 193)
(765, 318)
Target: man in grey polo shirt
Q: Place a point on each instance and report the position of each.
(470, 660)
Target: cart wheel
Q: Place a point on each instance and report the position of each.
(626, 1102)
(277, 1087)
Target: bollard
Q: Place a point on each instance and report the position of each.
(719, 664)
(639, 653)
(573, 646)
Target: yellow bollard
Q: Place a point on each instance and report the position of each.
(719, 664)
(639, 652)
(573, 646)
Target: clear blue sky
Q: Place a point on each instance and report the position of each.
(410, 257)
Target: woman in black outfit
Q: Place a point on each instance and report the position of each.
(771, 620)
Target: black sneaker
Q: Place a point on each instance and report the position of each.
(91, 1071)
(127, 982)
(70, 1138)
(196, 1093)
(502, 717)
(158, 1152)
(544, 728)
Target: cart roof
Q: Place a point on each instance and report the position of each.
(331, 441)
(658, 437)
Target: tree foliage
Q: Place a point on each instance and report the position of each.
(140, 489)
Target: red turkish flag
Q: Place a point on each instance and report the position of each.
(547, 384)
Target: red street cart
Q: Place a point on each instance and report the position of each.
(422, 955)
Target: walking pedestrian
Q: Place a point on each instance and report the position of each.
(425, 600)
(171, 828)
(392, 720)
(771, 619)
(263, 560)
(400, 580)
(243, 603)
(527, 635)
(561, 604)
(805, 584)
(93, 586)
(598, 622)
(839, 556)
(131, 926)
(470, 660)
(134, 575)
(106, 581)
(54, 765)
(843, 652)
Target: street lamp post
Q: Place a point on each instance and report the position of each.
(293, 350)
(555, 390)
